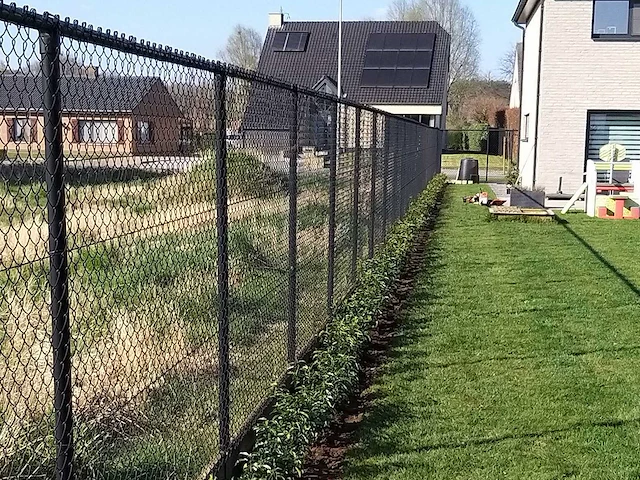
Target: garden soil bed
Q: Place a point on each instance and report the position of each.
(326, 457)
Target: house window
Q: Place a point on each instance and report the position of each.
(622, 128)
(616, 19)
(20, 130)
(96, 131)
(525, 128)
(144, 132)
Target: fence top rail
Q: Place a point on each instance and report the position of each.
(73, 29)
(483, 130)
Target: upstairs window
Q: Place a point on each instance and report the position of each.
(616, 19)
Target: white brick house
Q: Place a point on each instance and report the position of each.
(580, 86)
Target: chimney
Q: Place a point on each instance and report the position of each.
(276, 20)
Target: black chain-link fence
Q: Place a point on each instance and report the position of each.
(174, 233)
(495, 149)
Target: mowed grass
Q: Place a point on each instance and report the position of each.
(518, 357)
(452, 160)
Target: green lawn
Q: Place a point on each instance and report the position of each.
(452, 160)
(519, 356)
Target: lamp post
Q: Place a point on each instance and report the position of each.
(340, 53)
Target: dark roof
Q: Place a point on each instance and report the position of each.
(321, 58)
(524, 9)
(79, 94)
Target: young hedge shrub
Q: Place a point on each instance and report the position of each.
(318, 388)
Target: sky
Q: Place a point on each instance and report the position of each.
(202, 26)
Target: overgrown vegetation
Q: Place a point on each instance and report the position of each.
(304, 409)
(143, 295)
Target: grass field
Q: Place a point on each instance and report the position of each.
(143, 296)
(452, 160)
(519, 356)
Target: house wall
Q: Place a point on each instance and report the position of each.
(348, 133)
(76, 149)
(411, 109)
(35, 148)
(578, 74)
(160, 109)
(24, 148)
(514, 100)
(166, 137)
(529, 98)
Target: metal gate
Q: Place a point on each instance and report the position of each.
(496, 150)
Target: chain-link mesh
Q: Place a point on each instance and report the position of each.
(174, 234)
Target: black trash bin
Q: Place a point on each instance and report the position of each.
(469, 170)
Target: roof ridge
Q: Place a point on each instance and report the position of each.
(359, 21)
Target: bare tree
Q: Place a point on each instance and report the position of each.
(242, 48)
(455, 18)
(404, 10)
(508, 63)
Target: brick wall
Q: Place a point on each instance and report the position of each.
(578, 74)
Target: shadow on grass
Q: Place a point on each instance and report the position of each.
(612, 268)
(390, 448)
(418, 363)
(27, 173)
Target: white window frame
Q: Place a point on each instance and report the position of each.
(144, 131)
(21, 130)
(98, 131)
(526, 121)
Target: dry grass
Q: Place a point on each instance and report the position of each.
(143, 311)
(144, 327)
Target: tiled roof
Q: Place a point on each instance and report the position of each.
(320, 58)
(79, 94)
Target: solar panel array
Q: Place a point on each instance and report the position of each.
(398, 60)
(290, 41)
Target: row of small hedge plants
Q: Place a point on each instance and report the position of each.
(316, 389)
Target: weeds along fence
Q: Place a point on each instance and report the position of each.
(174, 233)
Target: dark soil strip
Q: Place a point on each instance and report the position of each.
(326, 458)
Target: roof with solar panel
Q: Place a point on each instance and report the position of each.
(383, 62)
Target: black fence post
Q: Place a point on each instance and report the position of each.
(385, 175)
(59, 268)
(222, 226)
(333, 169)
(404, 158)
(355, 250)
(293, 230)
(397, 169)
(374, 173)
(486, 174)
